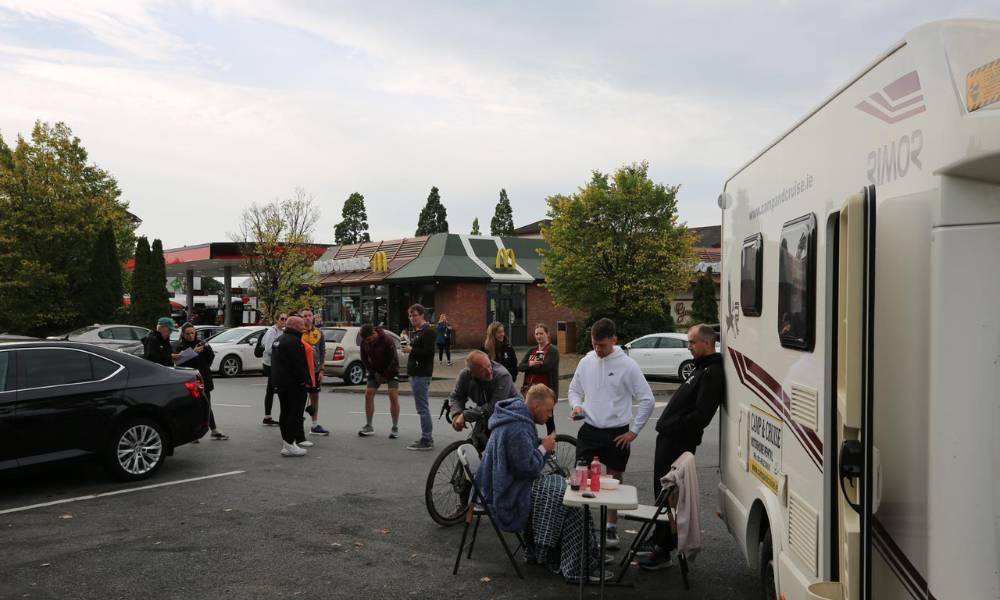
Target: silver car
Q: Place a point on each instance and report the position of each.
(109, 336)
(343, 354)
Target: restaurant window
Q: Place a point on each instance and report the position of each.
(797, 284)
(752, 275)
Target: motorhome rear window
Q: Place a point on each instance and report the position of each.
(752, 275)
(797, 284)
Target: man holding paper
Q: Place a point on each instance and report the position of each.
(198, 355)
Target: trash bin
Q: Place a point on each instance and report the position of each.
(566, 337)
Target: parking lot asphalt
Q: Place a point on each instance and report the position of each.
(234, 519)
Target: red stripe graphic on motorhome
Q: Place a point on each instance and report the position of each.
(764, 386)
(897, 101)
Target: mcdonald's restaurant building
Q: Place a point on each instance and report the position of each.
(474, 280)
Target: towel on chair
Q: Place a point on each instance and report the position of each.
(683, 476)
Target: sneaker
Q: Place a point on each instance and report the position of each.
(269, 422)
(647, 548)
(318, 429)
(219, 436)
(595, 576)
(310, 410)
(394, 433)
(421, 445)
(611, 539)
(449, 363)
(304, 444)
(656, 561)
(366, 431)
(292, 450)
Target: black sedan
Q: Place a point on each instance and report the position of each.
(61, 400)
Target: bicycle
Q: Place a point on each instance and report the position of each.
(446, 493)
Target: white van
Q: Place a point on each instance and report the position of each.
(860, 440)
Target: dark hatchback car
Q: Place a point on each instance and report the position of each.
(62, 400)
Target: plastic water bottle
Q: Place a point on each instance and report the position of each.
(595, 475)
(581, 474)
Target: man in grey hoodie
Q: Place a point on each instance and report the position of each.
(604, 385)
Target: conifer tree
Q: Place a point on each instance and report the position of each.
(704, 308)
(160, 298)
(433, 217)
(475, 227)
(103, 292)
(139, 307)
(353, 228)
(503, 217)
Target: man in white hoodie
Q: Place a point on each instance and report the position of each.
(604, 386)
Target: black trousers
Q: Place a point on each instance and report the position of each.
(444, 349)
(666, 454)
(293, 403)
(268, 391)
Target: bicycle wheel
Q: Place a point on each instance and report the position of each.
(447, 492)
(563, 459)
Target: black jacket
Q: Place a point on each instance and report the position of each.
(290, 369)
(506, 357)
(693, 405)
(202, 362)
(550, 367)
(423, 344)
(157, 349)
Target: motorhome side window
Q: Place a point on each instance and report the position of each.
(797, 284)
(752, 275)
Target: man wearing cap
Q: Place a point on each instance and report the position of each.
(156, 345)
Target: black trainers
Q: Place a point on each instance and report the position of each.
(656, 561)
(366, 431)
(268, 421)
(421, 445)
(219, 436)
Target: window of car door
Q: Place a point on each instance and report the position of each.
(42, 368)
(6, 376)
(674, 352)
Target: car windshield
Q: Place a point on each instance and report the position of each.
(334, 335)
(83, 330)
(232, 335)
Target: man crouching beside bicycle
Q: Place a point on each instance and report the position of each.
(520, 498)
(485, 383)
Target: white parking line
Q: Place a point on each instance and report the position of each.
(402, 414)
(117, 492)
(232, 405)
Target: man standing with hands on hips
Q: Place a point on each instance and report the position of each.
(602, 390)
(419, 369)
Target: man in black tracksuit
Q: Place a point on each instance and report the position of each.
(292, 379)
(679, 428)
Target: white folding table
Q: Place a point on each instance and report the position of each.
(624, 497)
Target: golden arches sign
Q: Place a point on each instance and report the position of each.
(506, 259)
(380, 262)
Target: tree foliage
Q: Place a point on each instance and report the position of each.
(273, 239)
(616, 250)
(503, 217)
(353, 227)
(150, 300)
(433, 216)
(102, 295)
(704, 308)
(158, 295)
(53, 206)
(475, 227)
(138, 314)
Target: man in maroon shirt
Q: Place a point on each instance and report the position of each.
(378, 355)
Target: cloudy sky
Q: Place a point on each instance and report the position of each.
(200, 108)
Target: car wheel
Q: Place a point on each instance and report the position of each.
(230, 366)
(136, 450)
(768, 589)
(355, 374)
(685, 370)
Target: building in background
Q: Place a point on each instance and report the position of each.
(708, 249)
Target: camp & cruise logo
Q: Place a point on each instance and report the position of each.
(898, 101)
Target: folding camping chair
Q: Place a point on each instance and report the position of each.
(649, 516)
(468, 456)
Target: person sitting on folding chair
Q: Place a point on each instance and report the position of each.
(679, 428)
(519, 497)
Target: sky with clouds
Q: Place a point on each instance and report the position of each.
(200, 108)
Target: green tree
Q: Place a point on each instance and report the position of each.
(102, 296)
(53, 206)
(139, 307)
(434, 216)
(353, 228)
(273, 238)
(704, 308)
(636, 254)
(475, 227)
(503, 217)
(159, 297)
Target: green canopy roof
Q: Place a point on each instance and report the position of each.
(452, 256)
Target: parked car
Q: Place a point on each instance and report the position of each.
(61, 400)
(112, 336)
(234, 350)
(663, 354)
(202, 332)
(343, 354)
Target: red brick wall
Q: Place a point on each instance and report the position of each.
(541, 309)
(465, 305)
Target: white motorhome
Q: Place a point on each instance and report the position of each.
(860, 439)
